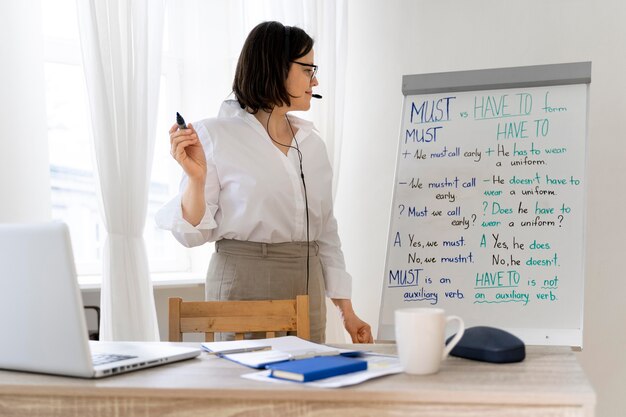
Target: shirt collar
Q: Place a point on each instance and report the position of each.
(231, 108)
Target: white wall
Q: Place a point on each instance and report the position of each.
(24, 169)
(390, 38)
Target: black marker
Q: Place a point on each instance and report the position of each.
(180, 121)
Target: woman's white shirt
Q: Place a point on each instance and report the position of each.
(254, 192)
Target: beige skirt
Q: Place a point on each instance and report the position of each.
(242, 270)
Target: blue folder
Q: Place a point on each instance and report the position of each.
(305, 370)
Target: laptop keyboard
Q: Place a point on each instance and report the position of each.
(102, 358)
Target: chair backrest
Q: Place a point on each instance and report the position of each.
(240, 317)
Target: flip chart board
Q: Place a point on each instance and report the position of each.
(488, 210)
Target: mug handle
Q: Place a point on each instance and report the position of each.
(456, 337)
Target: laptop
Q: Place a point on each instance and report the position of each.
(42, 320)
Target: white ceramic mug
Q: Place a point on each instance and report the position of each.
(420, 338)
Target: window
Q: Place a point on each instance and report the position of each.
(72, 165)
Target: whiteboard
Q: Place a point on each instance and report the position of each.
(488, 210)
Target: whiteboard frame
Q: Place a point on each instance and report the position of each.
(497, 78)
(493, 79)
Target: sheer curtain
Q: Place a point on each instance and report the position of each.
(205, 38)
(121, 47)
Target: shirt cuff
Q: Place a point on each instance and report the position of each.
(338, 282)
(170, 217)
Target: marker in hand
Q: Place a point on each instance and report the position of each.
(180, 121)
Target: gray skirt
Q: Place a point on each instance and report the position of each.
(241, 270)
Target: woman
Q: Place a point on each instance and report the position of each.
(258, 182)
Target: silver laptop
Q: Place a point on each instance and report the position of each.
(42, 320)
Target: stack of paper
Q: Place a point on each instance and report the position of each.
(260, 353)
(281, 349)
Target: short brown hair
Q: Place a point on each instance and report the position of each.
(264, 63)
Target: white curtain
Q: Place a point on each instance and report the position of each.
(332, 54)
(121, 47)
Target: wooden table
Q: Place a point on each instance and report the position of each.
(550, 382)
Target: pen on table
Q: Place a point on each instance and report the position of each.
(180, 121)
(240, 350)
(313, 354)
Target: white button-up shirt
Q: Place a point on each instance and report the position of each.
(254, 192)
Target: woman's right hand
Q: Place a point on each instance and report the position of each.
(188, 152)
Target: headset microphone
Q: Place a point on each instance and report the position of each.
(316, 96)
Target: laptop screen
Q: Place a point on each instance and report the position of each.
(41, 309)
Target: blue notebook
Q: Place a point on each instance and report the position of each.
(305, 370)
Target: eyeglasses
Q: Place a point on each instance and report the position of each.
(313, 70)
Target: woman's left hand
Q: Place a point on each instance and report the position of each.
(359, 331)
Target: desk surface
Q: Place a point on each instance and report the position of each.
(550, 382)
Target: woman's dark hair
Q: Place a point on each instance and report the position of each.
(264, 63)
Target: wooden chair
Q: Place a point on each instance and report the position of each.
(240, 317)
